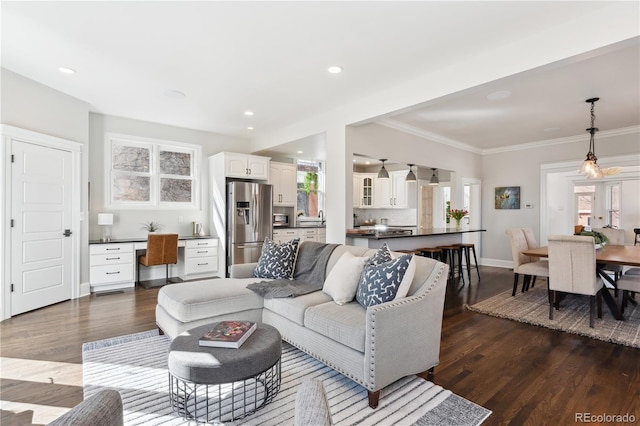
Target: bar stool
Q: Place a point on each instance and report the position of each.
(432, 252)
(465, 247)
(448, 256)
(637, 239)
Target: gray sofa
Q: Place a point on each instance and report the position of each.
(374, 347)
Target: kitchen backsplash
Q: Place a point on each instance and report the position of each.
(395, 217)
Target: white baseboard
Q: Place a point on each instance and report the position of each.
(85, 289)
(498, 263)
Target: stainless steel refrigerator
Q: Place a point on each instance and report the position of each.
(249, 220)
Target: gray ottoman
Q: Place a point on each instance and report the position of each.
(220, 384)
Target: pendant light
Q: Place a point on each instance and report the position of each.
(383, 173)
(411, 177)
(590, 166)
(434, 179)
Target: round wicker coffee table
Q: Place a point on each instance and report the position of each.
(221, 384)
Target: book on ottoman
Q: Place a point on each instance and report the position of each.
(228, 334)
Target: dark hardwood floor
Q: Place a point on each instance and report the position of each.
(524, 374)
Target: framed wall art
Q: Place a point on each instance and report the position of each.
(507, 198)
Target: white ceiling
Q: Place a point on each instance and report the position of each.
(271, 58)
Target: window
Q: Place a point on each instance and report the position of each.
(310, 179)
(146, 173)
(585, 201)
(613, 205)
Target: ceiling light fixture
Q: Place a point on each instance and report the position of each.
(590, 166)
(383, 173)
(65, 70)
(249, 113)
(434, 179)
(335, 69)
(411, 177)
(249, 128)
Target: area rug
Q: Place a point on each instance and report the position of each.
(532, 307)
(136, 366)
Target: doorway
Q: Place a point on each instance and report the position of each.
(42, 203)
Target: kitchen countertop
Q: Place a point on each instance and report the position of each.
(423, 233)
(275, 228)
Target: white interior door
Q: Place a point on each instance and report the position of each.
(41, 201)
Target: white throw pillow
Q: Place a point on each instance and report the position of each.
(405, 284)
(342, 282)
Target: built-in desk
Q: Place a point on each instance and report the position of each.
(112, 264)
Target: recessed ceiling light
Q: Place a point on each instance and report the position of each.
(367, 162)
(499, 95)
(65, 70)
(248, 113)
(249, 128)
(300, 152)
(335, 69)
(354, 160)
(176, 94)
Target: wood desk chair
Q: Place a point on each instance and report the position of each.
(162, 249)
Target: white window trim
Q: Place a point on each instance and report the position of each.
(155, 145)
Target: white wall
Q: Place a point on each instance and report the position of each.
(127, 223)
(522, 168)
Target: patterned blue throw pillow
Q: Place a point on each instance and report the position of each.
(383, 255)
(379, 283)
(277, 260)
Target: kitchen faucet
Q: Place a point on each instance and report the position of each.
(321, 216)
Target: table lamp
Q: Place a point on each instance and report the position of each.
(105, 220)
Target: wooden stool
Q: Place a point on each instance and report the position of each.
(465, 247)
(408, 251)
(637, 239)
(432, 252)
(448, 255)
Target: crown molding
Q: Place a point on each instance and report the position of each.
(406, 128)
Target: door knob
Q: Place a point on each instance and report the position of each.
(67, 232)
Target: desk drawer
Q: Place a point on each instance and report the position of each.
(200, 265)
(201, 252)
(208, 242)
(111, 248)
(111, 259)
(111, 274)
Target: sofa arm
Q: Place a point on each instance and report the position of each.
(102, 409)
(243, 270)
(403, 336)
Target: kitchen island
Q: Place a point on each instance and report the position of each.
(422, 238)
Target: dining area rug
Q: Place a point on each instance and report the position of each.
(532, 307)
(136, 366)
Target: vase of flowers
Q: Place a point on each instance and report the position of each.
(457, 215)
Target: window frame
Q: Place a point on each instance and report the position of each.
(155, 176)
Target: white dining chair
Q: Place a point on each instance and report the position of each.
(572, 269)
(615, 237)
(627, 284)
(524, 265)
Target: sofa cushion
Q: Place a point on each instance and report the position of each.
(380, 283)
(277, 260)
(293, 308)
(343, 323)
(195, 300)
(342, 282)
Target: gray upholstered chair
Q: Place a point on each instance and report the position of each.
(616, 237)
(312, 408)
(102, 409)
(524, 265)
(572, 269)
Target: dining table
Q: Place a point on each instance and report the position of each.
(607, 255)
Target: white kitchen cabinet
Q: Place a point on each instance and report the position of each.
(363, 189)
(322, 235)
(283, 178)
(283, 235)
(200, 258)
(111, 266)
(308, 234)
(246, 166)
(392, 192)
